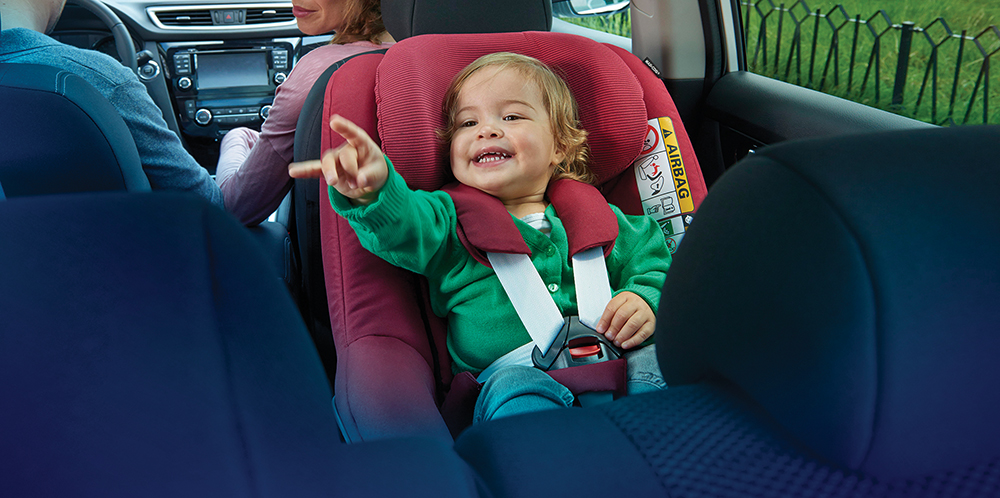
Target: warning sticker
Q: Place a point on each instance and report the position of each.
(662, 180)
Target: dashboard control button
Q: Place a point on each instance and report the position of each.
(264, 111)
(279, 78)
(279, 59)
(182, 64)
(149, 70)
(203, 117)
(184, 83)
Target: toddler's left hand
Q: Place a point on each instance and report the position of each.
(627, 320)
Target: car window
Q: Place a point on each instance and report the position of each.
(616, 23)
(925, 60)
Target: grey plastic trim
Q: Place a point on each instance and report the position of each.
(669, 33)
(770, 111)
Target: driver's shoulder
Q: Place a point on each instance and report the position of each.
(24, 46)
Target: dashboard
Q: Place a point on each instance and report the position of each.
(209, 66)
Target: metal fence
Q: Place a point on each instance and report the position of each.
(923, 72)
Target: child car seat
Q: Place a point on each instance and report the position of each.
(393, 368)
(403, 19)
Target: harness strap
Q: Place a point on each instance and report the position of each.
(593, 290)
(535, 306)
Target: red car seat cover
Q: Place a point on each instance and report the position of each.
(622, 192)
(415, 74)
(484, 225)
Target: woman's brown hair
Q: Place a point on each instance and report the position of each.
(362, 22)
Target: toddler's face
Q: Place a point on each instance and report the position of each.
(503, 144)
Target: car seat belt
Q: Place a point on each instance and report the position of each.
(535, 306)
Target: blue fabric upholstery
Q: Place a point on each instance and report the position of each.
(849, 287)
(62, 136)
(828, 328)
(147, 350)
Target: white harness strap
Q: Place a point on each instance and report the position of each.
(536, 308)
(593, 290)
(531, 300)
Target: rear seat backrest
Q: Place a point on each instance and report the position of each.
(164, 360)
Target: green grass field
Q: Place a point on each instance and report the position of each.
(952, 100)
(974, 15)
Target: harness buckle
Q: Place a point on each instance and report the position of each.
(579, 345)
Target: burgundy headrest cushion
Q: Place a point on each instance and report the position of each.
(414, 75)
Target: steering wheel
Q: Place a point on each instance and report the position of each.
(123, 40)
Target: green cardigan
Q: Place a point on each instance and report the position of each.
(416, 230)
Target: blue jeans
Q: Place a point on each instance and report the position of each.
(517, 389)
(643, 371)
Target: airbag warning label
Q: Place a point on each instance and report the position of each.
(662, 180)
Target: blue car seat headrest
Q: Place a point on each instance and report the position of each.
(850, 287)
(406, 18)
(63, 136)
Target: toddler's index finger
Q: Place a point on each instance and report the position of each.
(354, 134)
(305, 169)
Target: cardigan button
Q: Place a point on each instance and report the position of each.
(553, 288)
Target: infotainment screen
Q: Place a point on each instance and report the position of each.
(234, 69)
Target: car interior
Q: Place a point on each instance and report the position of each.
(827, 326)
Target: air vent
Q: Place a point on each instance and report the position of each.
(189, 17)
(225, 17)
(271, 15)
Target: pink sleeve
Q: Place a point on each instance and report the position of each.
(254, 181)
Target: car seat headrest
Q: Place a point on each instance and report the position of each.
(414, 76)
(68, 138)
(850, 286)
(406, 18)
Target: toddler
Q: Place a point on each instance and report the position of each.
(513, 132)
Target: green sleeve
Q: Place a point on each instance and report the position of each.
(414, 230)
(640, 258)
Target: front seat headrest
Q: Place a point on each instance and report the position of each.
(406, 18)
(850, 286)
(63, 136)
